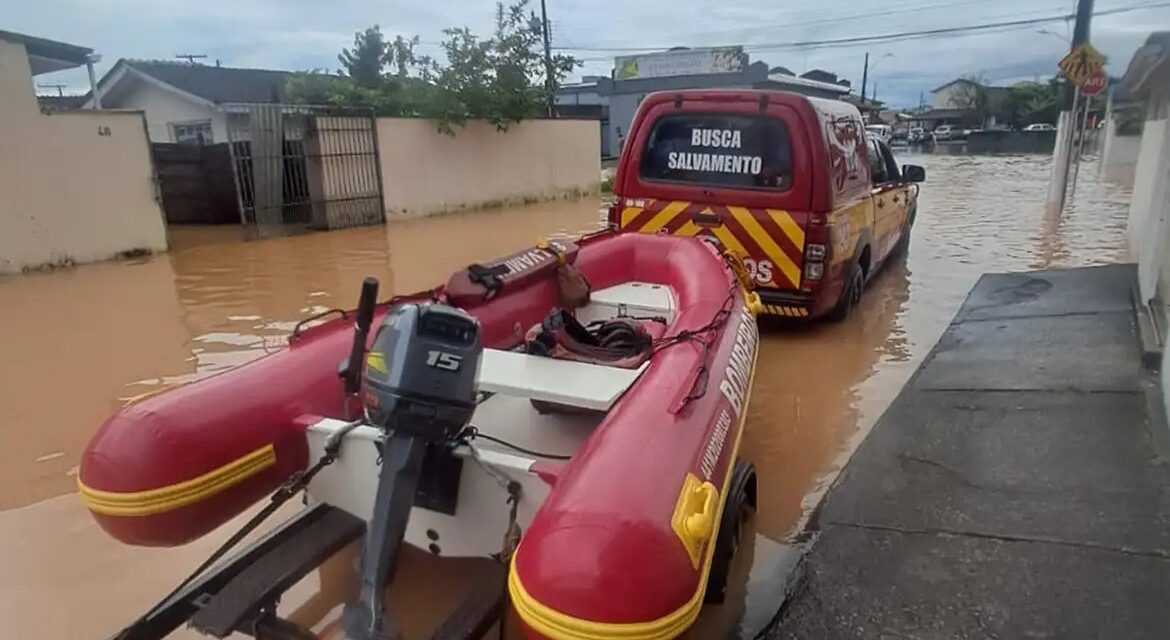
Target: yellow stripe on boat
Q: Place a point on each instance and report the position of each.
(169, 498)
(556, 625)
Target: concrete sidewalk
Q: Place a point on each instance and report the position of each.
(1014, 489)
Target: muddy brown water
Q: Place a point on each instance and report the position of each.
(77, 344)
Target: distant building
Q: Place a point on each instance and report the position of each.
(614, 100)
(585, 100)
(964, 103)
(62, 103)
(820, 75)
(189, 103)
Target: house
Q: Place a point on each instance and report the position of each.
(1147, 79)
(966, 103)
(62, 103)
(820, 75)
(77, 185)
(956, 94)
(186, 102)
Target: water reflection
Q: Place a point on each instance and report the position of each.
(76, 344)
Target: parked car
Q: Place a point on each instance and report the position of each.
(945, 132)
(917, 135)
(883, 131)
(793, 184)
(1039, 126)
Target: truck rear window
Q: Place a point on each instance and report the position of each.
(744, 152)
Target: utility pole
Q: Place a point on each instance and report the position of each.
(548, 65)
(864, 77)
(874, 99)
(1067, 124)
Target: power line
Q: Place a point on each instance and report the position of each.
(890, 37)
(912, 8)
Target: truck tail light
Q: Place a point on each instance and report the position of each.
(816, 253)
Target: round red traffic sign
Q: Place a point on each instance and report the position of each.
(1095, 84)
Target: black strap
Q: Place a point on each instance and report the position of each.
(287, 490)
(490, 278)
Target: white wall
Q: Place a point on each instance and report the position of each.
(74, 186)
(1119, 155)
(953, 96)
(1147, 207)
(426, 172)
(163, 107)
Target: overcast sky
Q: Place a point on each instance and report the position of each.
(303, 34)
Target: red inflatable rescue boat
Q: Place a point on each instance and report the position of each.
(623, 439)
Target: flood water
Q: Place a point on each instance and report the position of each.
(77, 344)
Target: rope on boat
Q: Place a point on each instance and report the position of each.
(704, 336)
(471, 433)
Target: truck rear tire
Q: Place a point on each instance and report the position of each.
(903, 246)
(740, 500)
(850, 295)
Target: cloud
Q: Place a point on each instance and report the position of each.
(301, 34)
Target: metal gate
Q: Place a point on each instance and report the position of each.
(300, 168)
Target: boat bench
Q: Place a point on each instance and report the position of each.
(577, 384)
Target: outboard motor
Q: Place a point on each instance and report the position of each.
(420, 388)
(421, 371)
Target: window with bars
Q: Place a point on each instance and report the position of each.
(192, 132)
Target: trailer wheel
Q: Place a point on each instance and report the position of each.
(741, 498)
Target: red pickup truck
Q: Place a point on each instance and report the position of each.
(791, 183)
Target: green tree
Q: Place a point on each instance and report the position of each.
(369, 55)
(400, 52)
(1030, 102)
(502, 79)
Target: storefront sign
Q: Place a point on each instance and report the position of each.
(684, 62)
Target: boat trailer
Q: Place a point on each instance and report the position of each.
(241, 594)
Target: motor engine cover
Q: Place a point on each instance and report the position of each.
(421, 372)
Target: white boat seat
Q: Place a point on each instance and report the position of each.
(576, 384)
(639, 299)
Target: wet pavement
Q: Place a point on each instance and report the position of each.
(76, 344)
(1016, 488)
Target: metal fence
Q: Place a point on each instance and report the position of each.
(301, 168)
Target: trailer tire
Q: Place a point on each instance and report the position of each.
(741, 498)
